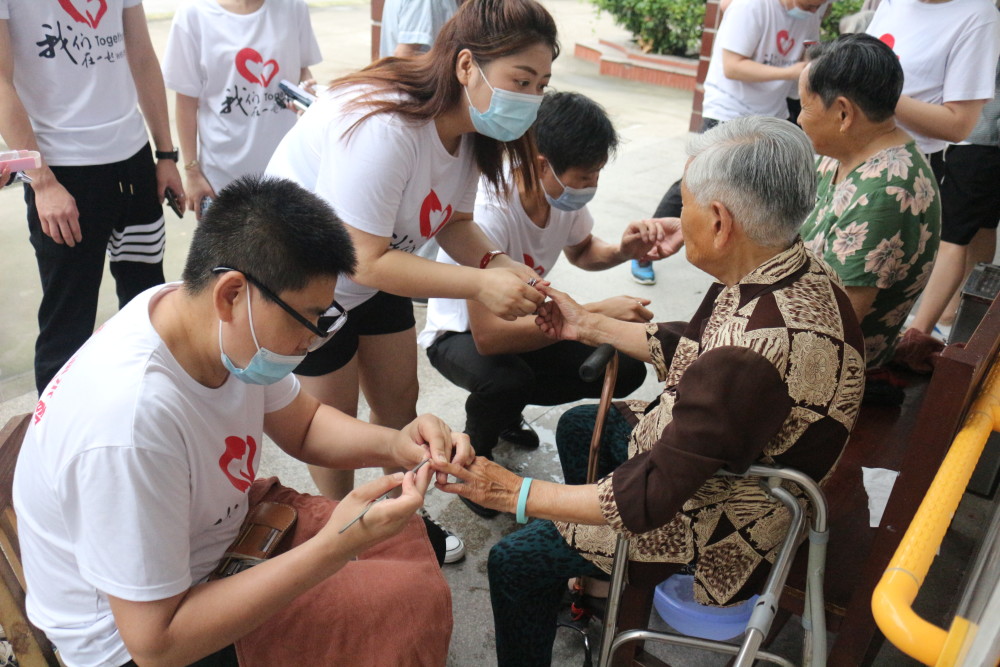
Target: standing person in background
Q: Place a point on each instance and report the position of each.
(397, 149)
(225, 59)
(73, 81)
(948, 50)
(409, 27)
(755, 66)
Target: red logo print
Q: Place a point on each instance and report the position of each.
(237, 461)
(89, 12)
(889, 40)
(250, 64)
(432, 216)
(530, 261)
(39, 411)
(785, 42)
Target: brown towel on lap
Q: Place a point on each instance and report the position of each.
(392, 606)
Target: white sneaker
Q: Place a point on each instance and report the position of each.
(454, 547)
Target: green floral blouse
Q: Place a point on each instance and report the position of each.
(879, 227)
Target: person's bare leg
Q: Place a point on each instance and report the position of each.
(982, 248)
(340, 390)
(387, 369)
(945, 279)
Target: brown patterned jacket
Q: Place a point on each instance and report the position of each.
(770, 370)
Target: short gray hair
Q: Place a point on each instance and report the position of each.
(761, 169)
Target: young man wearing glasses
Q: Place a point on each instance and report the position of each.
(136, 470)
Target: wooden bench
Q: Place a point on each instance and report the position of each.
(912, 439)
(30, 646)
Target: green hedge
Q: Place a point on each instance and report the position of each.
(673, 27)
(670, 27)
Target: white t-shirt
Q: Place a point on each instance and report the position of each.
(131, 481)
(233, 64)
(948, 51)
(510, 229)
(412, 22)
(389, 177)
(73, 78)
(763, 31)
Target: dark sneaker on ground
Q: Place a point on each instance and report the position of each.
(484, 512)
(454, 547)
(521, 435)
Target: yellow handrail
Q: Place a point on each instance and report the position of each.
(893, 598)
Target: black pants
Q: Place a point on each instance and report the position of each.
(502, 385)
(670, 206)
(224, 658)
(119, 214)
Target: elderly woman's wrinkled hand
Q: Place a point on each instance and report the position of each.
(483, 482)
(562, 317)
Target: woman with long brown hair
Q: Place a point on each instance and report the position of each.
(398, 149)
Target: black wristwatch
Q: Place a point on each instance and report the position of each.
(168, 155)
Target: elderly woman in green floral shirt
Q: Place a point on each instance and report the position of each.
(877, 219)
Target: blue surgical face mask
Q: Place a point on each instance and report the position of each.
(571, 199)
(797, 13)
(509, 116)
(265, 367)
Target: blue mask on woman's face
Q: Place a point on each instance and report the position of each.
(797, 13)
(509, 116)
(265, 367)
(571, 199)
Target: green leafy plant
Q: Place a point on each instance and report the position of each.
(671, 27)
(830, 29)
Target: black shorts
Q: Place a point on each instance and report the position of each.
(970, 192)
(382, 314)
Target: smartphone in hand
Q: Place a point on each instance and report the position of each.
(173, 202)
(297, 95)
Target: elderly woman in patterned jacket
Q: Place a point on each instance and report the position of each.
(770, 369)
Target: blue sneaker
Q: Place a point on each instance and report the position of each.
(642, 272)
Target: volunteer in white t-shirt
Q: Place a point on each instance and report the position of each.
(397, 149)
(948, 50)
(225, 63)
(757, 57)
(74, 77)
(410, 26)
(755, 66)
(135, 470)
(506, 365)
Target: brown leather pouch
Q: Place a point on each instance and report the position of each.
(259, 536)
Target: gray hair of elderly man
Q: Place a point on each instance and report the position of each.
(762, 170)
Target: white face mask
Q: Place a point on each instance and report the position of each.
(571, 199)
(509, 116)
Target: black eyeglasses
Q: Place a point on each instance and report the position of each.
(329, 322)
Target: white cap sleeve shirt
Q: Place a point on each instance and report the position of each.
(388, 177)
(762, 31)
(72, 75)
(507, 225)
(948, 51)
(131, 482)
(233, 63)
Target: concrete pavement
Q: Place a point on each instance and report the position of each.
(652, 122)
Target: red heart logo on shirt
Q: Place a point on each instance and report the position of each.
(83, 13)
(432, 216)
(889, 40)
(266, 71)
(530, 261)
(785, 42)
(237, 461)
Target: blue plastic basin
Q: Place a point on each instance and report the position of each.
(674, 602)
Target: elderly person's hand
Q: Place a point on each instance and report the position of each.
(652, 239)
(626, 308)
(670, 238)
(484, 482)
(562, 318)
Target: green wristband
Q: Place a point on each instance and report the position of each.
(522, 499)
